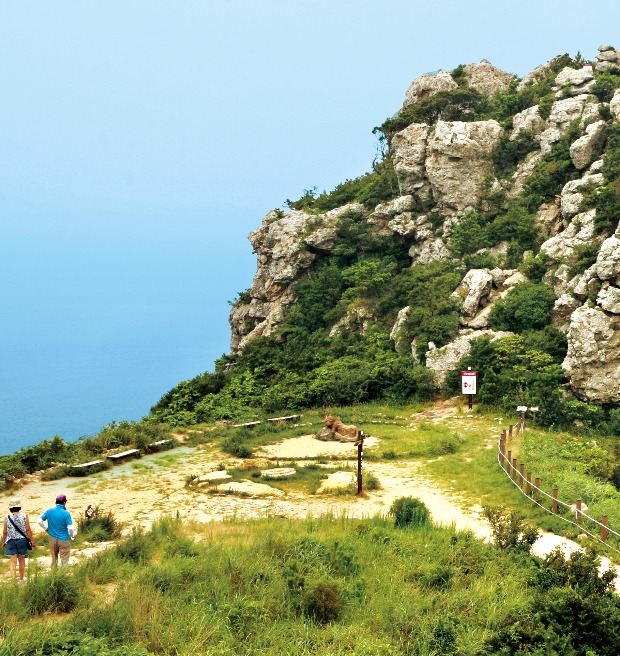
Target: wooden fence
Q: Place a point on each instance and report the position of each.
(533, 490)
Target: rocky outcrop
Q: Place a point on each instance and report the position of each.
(408, 148)
(592, 362)
(459, 158)
(357, 318)
(608, 260)
(573, 82)
(473, 289)
(428, 85)
(529, 121)
(579, 232)
(586, 149)
(563, 113)
(486, 78)
(608, 60)
(614, 106)
(286, 245)
(445, 359)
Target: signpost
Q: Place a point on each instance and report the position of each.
(469, 384)
(360, 452)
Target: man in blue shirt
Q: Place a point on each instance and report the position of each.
(60, 530)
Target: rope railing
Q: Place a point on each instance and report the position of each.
(523, 481)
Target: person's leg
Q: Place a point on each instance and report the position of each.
(13, 567)
(54, 548)
(22, 567)
(64, 547)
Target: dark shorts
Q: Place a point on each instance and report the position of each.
(16, 547)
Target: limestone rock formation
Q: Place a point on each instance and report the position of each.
(608, 60)
(475, 286)
(588, 147)
(408, 148)
(445, 359)
(563, 113)
(486, 78)
(573, 82)
(529, 121)
(428, 85)
(285, 246)
(459, 158)
(593, 360)
(614, 105)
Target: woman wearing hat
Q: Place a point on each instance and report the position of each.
(16, 528)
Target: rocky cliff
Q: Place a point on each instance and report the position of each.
(466, 149)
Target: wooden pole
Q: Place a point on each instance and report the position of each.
(528, 485)
(578, 513)
(360, 453)
(510, 431)
(521, 474)
(537, 486)
(554, 505)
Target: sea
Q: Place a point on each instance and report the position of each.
(91, 335)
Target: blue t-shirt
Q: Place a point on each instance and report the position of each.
(58, 519)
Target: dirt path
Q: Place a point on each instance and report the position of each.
(140, 492)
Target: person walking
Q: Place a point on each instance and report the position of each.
(16, 528)
(60, 530)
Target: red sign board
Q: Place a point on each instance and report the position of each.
(469, 380)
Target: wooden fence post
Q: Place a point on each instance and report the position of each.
(528, 485)
(578, 511)
(554, 504)
(604, 528)
(514, 468)
(509, 461)
(521, 473)
(537, 486)
(510, 430)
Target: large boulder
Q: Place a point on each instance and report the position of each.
(445, 359)
(486, 78)
(587, 148)
(428, 85)
(608, 60)
(609, 298)
(573, 82)
(458, 159)
(592, 363)
(608, 260)
(614, 106)
(472, 290)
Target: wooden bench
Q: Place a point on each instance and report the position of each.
(160, 445)
(86, 465)
(289, 418)
(124, 454)
(248, 424)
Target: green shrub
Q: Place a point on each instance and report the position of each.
(55, 592)
(101, 527)
(323, 600)
(526, 307)
(136, 548)
(410, 513)
(510, 532)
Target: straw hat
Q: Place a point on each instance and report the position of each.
(15, 503)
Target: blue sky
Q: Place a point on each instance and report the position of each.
(141, 141)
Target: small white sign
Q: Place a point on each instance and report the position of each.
(521, 408)
(469, 381)
(534, 408)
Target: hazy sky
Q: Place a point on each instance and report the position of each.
(183, 123)
(141, 141)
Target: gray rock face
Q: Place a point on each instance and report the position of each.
(609, 298)
(579, 232)
(281, 245)
(486, 78)
(614, 106)
(473, 289)
(592, 362)
(573, 82)
(429, 250)
(563, 309)
(398, 334)
(428, 85)
(563, 112)
(608, 260)
(607, 60)
(408, 150)
(530, 121)
(459, 158)
(445, 359)
(587, 148)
